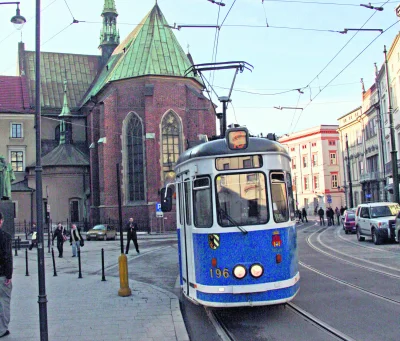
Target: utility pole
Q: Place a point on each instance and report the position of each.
(381, 143)
(393, 152)
(349, 175)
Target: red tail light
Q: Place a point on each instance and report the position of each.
(276, 240)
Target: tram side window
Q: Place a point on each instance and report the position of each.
(279, 198)
(290, 196)
(202, 203)
(188, 203)
(241, 199)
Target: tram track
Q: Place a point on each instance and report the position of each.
(226, 335)
(338, 280)
(362, 245)
(316, 248)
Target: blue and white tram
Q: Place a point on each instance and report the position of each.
(236, 222)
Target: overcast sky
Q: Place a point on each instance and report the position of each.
(284, 59)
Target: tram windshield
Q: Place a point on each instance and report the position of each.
(241, 199)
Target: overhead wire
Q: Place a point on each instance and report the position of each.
(338, 74)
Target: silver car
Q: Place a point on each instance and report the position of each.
(397, 229)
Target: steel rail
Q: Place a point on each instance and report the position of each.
(320, 323)
(313, 246)
(353, 286)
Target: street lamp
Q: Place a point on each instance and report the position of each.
(349, 175)
(42, 299)
(18, 20)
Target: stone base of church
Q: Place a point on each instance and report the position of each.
(7, 208)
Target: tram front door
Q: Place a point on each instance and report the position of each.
(186, 237)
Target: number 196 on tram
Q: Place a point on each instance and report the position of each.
(236, 222)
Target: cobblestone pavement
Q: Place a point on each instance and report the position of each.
(88, 308)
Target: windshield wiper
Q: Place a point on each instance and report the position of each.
(232, 221)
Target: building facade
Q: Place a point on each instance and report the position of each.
(133, 106)
(316, 167)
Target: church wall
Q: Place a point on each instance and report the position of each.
(131, 95)
(93, 137)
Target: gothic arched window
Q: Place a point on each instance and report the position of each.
(135, 164)
(171, 142)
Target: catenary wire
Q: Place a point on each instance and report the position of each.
(69, 9)
(337, 75)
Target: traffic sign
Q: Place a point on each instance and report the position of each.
(159, 213)
(329, 198)
(368, 196)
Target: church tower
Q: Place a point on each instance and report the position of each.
(109, 35)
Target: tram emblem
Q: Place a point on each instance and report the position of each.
(213, 241)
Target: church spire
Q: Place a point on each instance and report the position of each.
(109, 35)
(65, 118)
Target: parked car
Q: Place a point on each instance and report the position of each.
(349, 221)
(397, 228)
(103, 232)
(376, 220)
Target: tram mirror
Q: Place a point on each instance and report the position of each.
(202, 183)
(166, 199)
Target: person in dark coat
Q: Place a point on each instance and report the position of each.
(304, 214)
(321, 216)
(6, 271)
(131, 229)
(33, 232)
(61, 236)
(75, 240)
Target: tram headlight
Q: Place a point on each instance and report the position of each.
(256, 270)
(239, 271)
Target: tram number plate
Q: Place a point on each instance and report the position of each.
(218, 273)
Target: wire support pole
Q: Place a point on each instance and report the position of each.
(393, 152)
(42, 298)
(349, 175)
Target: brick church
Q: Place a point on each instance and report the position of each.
(132, 106)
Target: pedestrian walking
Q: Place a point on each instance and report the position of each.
(304, 214)
(321, 216)
(329, 215)
(75, 239)
(337, 212)
(61, 236)
(33, 232)
(342, 210)
(6, 271)
(131, 228)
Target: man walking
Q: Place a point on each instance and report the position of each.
(321, 216)
(131, 228)
(6, 270)
(304, 214)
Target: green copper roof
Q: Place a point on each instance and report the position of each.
(109, 7)
(65, 110)
(150, 49)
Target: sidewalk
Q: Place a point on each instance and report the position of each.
(87, 308)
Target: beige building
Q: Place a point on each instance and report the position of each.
(316, 167)
(17, 142)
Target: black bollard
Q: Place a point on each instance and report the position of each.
(79, 263)
(48, 241)
(26, 262)
(103, 276)
(15, 247)
(52, 240)
(19, 243)
(54, 262)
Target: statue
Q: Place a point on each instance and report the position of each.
(6, 177)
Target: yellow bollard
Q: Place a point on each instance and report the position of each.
(124, 289)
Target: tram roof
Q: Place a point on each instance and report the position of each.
(219, 147)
